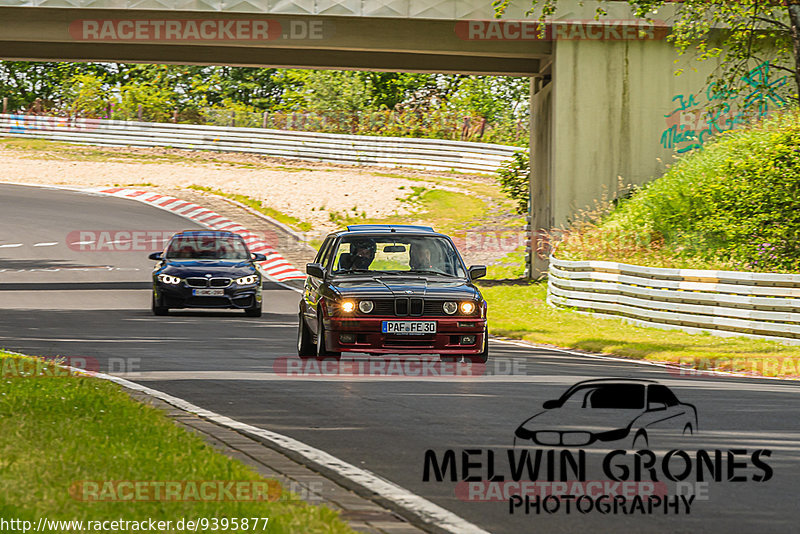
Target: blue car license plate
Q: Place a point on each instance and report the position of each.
(408, 327)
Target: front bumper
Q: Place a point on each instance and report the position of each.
(180, 296)
(367, 336)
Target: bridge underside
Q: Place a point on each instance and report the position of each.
(397, 44)
(598, 106)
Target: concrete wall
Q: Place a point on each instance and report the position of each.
(609, 107)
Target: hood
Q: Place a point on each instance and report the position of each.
(405, 286)
(190, 268)
(581, 419)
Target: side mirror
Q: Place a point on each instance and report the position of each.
(155, 256)
(656, 406)
(477, 271)
(316, 270)
(549, 405)
(256, 256)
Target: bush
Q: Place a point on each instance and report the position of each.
(87, 96)
(735, 204)
(514, 178)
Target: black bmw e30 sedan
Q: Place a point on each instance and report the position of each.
(398, 289)
(206, 269)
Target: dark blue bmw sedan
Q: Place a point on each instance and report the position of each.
(206, 269)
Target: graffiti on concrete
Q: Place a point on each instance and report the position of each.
(695, 119)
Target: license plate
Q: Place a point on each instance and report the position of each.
(208, 292)
(409, 327)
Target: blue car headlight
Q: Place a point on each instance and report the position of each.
(247, 280)
(169, 279)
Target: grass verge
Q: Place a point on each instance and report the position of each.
(57, 430)
(259, 207)
(519, 311)
(732, 205)
(445, 211)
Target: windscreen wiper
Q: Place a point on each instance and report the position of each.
(430, 271)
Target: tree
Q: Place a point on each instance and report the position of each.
(742, 34)
(86, 96)
(22, 82)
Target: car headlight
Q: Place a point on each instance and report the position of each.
(467, 307)
(450, 307)
(348, 306)
(169, 279)
(365, 306)
(247, 280)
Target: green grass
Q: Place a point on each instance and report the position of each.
(258, 206)
(445, 211)
(519, 311)
(24, 143)
(56, 431)
(509, 267)
(733, 205)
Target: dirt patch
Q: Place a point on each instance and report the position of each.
(308, 191)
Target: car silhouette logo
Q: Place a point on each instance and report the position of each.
(408, 292)
(607, 410)
(208, 276)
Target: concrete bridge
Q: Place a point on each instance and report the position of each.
(604, 98)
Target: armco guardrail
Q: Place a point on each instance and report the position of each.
(729, 303)
(432, 154)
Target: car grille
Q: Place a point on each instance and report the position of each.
(208, 302)
(409, 307)
(421, 342)
(568, 439)
(208, 282)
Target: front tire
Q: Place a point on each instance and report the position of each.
(483, 356)
(322, 352)
(305, 345)
(158, 310)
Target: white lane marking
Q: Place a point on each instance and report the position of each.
(83, 242)
(11, 245)
(662, 365)
(46, 244)
(419, 506)
(550, 380)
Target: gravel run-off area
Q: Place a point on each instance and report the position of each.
(305, 190)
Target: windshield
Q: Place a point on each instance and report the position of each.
(207, 247)
(607, 396)
(397, 254)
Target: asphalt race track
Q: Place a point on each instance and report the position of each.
(57, 300)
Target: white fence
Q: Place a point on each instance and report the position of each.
(727, 303)
(432, 154)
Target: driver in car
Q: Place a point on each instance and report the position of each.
(362, 252)
(420, 257)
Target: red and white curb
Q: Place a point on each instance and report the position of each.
(275, 267)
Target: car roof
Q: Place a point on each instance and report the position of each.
(600, 381)
(382, 229)
(203, 233)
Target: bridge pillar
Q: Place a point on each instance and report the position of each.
(599, 117)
